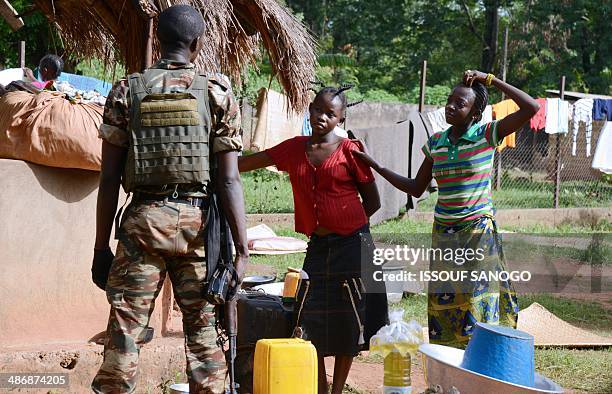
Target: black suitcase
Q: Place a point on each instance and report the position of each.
(260, 316)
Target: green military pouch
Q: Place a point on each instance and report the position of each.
(159, 110)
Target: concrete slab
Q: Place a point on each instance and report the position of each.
(161, 361)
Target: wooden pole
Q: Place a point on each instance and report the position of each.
(423, 83)
(148, 55)
(498, 168)
(558, 150)
(22, 54)
(505, 59)
(409, 202)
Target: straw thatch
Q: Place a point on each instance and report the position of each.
(116, 30)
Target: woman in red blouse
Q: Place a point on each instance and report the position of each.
(327, 180)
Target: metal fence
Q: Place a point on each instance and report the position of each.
(526, 176)
(531, 170)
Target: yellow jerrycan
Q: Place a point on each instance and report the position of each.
(285, 365)
(292, 283)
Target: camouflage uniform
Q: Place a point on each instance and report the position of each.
(159, 237)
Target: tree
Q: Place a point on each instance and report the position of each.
(389, 40)
(379, 45)
(565, 37)
(38, 34)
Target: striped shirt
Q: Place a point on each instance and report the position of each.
(463, 172)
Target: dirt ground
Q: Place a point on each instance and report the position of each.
(368, 377)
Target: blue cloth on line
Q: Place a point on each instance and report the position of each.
(306, 127)
(602, 109)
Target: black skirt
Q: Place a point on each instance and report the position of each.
(338, 315)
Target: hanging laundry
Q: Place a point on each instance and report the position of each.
(602, 109)
(565, 111)
(583, 112)
(487, 115)
(504, 108)
(437, 120)
(557, 116)
(340, 132)
(538, 121)
(508, 142)
(306, 127)
(500, 111)
(602, 159)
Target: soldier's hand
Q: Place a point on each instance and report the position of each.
(240, 263)
(102, 261)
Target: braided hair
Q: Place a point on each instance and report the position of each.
(481, 98)
(335, 92)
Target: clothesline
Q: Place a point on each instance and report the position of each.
(553, 117)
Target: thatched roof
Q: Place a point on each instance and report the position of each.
(117, 30)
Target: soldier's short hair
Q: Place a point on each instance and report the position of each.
(179, 24)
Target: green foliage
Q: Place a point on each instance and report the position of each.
(381, 96)
(434, 95)
(388, 41)
(254, 79)
(97, 69)
(379, 46)
(37, 33)
(561, 38)
(267, 192)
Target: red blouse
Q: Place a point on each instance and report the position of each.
(324, 195)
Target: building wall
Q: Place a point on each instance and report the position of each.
(47, 236)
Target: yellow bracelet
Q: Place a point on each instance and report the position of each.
(489, 79)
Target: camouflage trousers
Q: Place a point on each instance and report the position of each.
(156, 238)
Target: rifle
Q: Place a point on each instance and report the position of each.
(227, 330)
(231, 321)
(220, 275)
(226, 313)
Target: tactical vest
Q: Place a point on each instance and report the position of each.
(169, 133)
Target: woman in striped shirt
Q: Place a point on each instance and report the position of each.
(327, 180)
(461, 160)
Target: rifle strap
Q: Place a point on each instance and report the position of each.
(297, 330)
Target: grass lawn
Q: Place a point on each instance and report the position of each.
(539, 194)
(267, 192)
(603, 226)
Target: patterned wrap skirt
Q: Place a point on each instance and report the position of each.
(454, 307)
(338, 314)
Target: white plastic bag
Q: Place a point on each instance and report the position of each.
(397, 335)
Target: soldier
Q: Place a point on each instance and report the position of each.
(162, 132)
